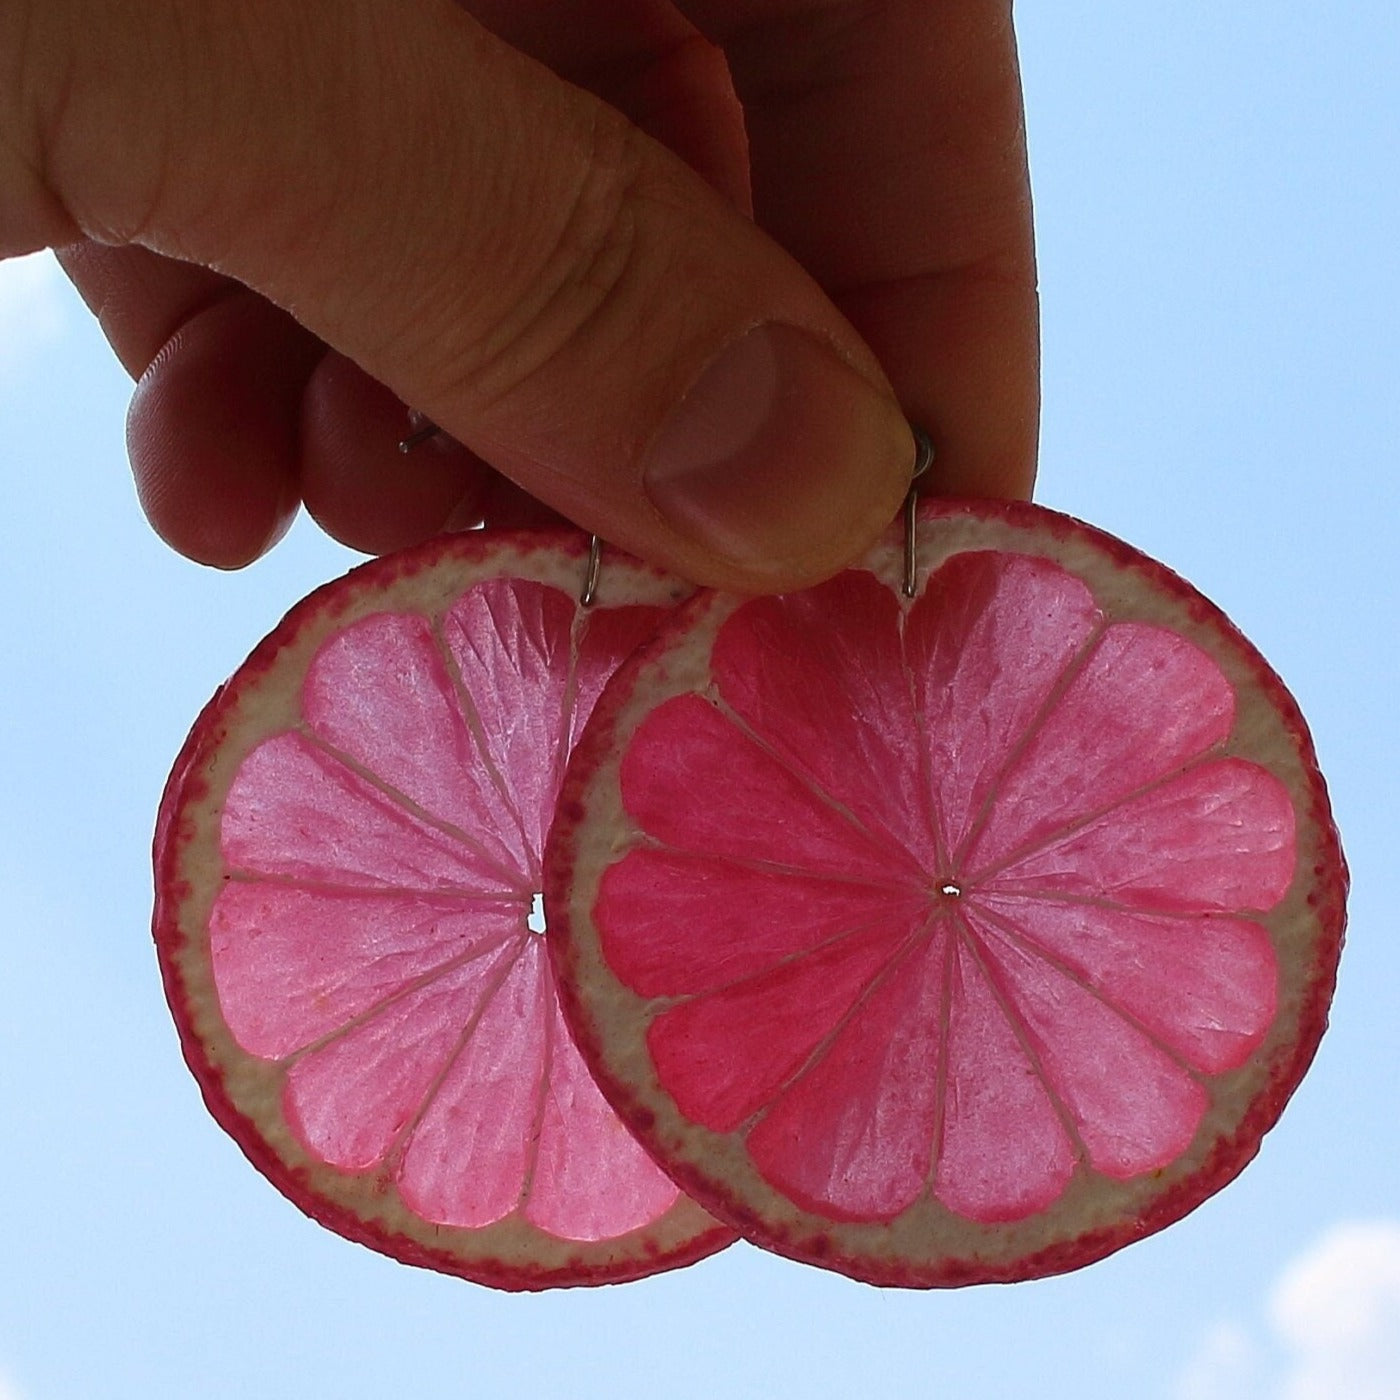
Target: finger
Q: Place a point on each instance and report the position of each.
(212, 430)
(499, 248)
(358, 484)
(222, 492)
(505, 506)
(214, 427)
(140, 299)
(887, 154)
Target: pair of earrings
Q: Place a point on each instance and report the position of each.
(963, 918)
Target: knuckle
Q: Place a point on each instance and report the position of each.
(82, 130)
(31, 87)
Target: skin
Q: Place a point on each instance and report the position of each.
(538, 223)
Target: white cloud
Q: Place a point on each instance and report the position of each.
(1330, 1329)
(33, 313)
(1336, 1309)
(8, 1389)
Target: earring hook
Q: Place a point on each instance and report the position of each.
(590, 578)
(923, 460)
(420, 430)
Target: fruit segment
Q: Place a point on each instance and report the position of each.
(1216, 837)
(755, 918)
(1143, 702)
(992, 638)
(726, 1054)
(298, 812)
(583, 1146)
(1005, 1150)
(977, 910)
(352, 1099)
(697, 782)
(818, 679)
(381, 695)
(470, 1155)
(1204, 988)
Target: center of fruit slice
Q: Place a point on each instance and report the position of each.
(534, 920)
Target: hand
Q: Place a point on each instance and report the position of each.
(530, 220)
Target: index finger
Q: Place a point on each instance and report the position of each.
(887, 147)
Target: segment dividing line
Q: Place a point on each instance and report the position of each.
(916, 884)
(940, 1092)
(1113, 906)
(819, 1051)
(882, 840)
(931, 813)
(414, 984)
(542, 1090)
(512, 879)
(1028, 945)
(665, 1003)
(471, 719)
(450, 896)
(537, 643)
(1070, 828)
(393, 1158)
(1068, 674)
(1022, 1031)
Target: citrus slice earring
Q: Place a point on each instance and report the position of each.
(962, 919)
(348, 871)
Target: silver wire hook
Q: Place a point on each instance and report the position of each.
(590, 578)
(418, 436)
(923, 460)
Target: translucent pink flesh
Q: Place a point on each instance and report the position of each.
(1218, 837)
(294, 965)
(987, 625)
(510, 644)
(1144, 702)
(844, 697)
(1133, 1105)
(723, 1056)
(408, 728)
(373, 935)
(1082, 883)
(596, 1194)
(695, 782)
(854, 1136)
(1005, 1151)
(351, 1098)
(758, 917)
(1204, 987)
(296, 811)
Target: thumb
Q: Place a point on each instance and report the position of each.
(502, 250)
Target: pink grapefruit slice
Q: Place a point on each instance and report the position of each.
(956, 938)
(348, 871)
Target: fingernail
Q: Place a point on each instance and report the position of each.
(780, 454)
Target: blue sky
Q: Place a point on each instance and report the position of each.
(1219, 225)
